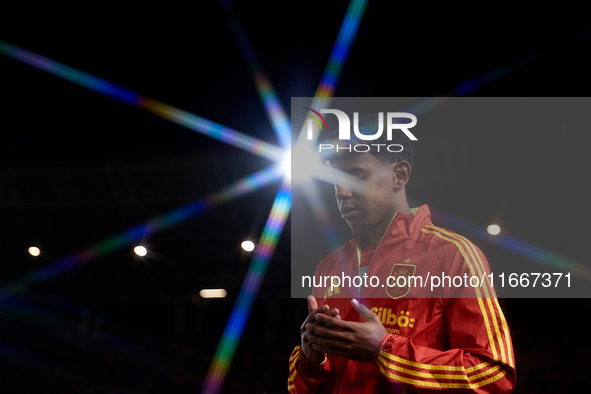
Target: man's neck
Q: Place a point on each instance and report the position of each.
(368, 239)
(372, 237)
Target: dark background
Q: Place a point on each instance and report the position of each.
(77, 167)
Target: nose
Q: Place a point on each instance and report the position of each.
(343, 192)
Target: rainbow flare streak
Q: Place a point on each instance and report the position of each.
(325, 91)
(248, 292)
(245, 185)
(183, 118)
(273, 108)
(235, 326)
(340, 52)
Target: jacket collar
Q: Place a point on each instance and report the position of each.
(408, 225)
(405, 226)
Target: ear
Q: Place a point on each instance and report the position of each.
(401, 171)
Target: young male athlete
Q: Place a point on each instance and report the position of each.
(398, 339)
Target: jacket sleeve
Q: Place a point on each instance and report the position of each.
(305, 377)
(480, 355)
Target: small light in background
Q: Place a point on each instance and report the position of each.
(140, 250)
(34, 251)
(213, 293)
(247, 245)
(493, 229)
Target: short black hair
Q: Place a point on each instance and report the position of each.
(368, 124)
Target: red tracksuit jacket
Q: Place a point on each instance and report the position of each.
(451, 342)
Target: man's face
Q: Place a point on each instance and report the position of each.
(366, 200)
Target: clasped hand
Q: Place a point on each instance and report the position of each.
(353, 340)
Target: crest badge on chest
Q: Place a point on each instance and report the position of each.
(400, 278)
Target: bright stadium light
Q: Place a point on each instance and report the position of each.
(213, 293)
(307, 164)
(286, 164)
(140, 250)
(493, 229)
(248, 246)
(34, 251)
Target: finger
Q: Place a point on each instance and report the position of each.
(310, 318)
(368, 315)
(336, 351)
(312, 304)
(332, 313)
(328, 342)
(314, 331)
(320, 310)
(305, 339)
(332, 322)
